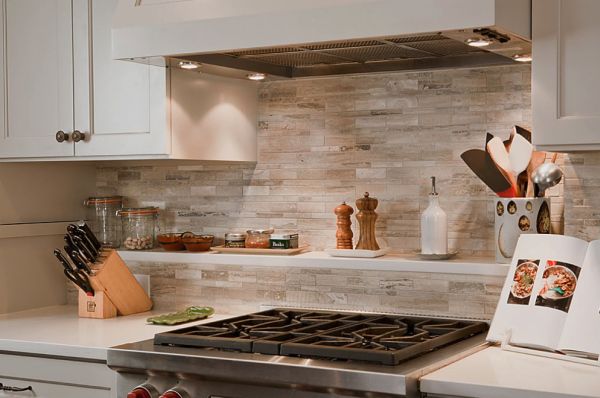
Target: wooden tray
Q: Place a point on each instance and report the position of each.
(276, 252)
(357, 253)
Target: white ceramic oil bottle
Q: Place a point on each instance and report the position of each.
(434, 226)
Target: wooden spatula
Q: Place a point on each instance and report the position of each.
(484, 167)
(517, 130)
(520, 154)
(500, 157)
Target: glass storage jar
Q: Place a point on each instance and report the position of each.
(101, 214)
(139, 227)
(235, 240)
(258, 238)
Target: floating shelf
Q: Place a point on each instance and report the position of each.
(318, 259)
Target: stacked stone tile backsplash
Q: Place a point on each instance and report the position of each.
(328, 140)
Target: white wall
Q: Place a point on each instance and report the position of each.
(31, 194)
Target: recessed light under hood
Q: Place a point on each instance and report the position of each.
(336, 36)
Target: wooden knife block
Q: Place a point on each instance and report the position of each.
(97, 306)
(115, 287)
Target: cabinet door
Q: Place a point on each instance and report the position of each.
(565, 78)
(36, 73)
(129, 107)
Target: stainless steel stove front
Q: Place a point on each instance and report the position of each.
(207, 373)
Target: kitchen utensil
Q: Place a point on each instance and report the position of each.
(82, 246)
(537, 159)
(367, 217)
(77, 260)
(517, 130)
(75, 275)
(80, 232)
(523, 132)
(71, 243)
(499, 155)
(520, 154)
(343, 235)
(86, 228)
(481, 163)
(545, 176)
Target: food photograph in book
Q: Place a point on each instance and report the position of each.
(523, 280)
(559, 284)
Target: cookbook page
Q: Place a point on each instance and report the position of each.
(582, 327)
(538, 290)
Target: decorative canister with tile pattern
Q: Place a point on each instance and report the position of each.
(516, 216)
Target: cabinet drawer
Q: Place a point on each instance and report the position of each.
(51, 390)
(55, 371)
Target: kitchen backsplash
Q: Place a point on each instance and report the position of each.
(328, 140)
(324, 141)
(233, 289)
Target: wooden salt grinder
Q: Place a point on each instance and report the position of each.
(367, 217)
(343, 234)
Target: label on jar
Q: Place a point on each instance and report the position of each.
(280, 244)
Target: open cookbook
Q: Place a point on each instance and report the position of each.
(551, 296)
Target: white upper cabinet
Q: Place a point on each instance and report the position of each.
(36, 73)
(129, 101)
(565, 78)
(57, 74)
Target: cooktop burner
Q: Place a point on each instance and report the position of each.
(385, 339)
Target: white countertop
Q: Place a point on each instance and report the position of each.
(462, 264)
(58, 331)
(494, 373)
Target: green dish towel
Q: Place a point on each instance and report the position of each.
(190, 314)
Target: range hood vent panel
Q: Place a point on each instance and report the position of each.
(340, 36)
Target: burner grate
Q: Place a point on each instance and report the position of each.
(385, 339)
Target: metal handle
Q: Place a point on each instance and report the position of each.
(61, 136)
(78, 136)
(15, 389)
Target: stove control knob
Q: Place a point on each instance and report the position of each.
(143, 391)
(175, 393)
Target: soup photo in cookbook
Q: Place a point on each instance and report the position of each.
(550, 299)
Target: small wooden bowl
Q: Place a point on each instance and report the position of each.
(170, 242)
(197, 243)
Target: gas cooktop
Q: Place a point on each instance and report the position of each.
(377, 338)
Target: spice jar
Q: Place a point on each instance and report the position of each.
(101, 215)
(235, 240)
(258, 238)
(139, 227)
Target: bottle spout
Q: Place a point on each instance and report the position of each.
(433, 190)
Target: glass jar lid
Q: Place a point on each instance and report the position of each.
(103, 200)
(138, 211)
(260, 231)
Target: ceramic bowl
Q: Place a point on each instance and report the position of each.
(170, 242)
(197, 243)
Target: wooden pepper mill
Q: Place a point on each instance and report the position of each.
(343, 234)
(367, 217)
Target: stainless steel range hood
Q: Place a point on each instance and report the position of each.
(322, 37)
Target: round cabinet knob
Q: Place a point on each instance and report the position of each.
(61, 136)
(78, 136)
